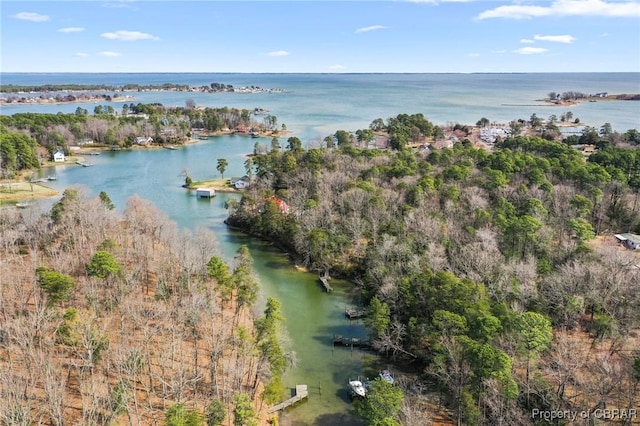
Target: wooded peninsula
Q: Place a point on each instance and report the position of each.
(489, 269)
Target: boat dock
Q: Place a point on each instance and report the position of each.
(352, 313)
(354, 342)
(324, 280)
(300, 394)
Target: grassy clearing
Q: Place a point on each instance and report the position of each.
(12, 192)
(220, 185)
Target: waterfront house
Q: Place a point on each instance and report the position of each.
(143, 140)
(631, 241)
(58, 157)
(283, 207)
(239, 182)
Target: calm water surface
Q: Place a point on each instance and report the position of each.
(316, 105)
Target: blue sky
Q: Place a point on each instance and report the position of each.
(320, 36)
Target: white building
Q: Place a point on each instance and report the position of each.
(205, 192)
(631, 241)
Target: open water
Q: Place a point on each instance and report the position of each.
(312, 106)
(316, 105)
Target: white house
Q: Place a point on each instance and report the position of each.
(58, 157)
(240, 184)
(631, 241)
(143, 140)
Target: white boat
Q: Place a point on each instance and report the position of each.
(52, 178)
(386, 376)
(357, 388)
(23, 205)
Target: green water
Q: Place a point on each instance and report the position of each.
(312, 315)
(312, 318)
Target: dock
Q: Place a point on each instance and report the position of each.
(352, 313)
(354, 342)
(300, 394)
(324, 280)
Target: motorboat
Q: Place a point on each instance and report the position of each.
(357, 388)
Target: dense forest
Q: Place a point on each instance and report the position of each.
(125, 319)
(493, 272)
(490, 271)
(27, 139)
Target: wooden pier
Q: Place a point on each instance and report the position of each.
(352, 313)
(354, 342)
(324, 280)
(301, 393)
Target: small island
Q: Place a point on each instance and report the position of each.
(64, 93)
(574, 98)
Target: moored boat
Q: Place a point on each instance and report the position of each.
(357, 388)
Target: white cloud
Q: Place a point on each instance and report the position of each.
(371, 28)
(625, 9)
(71, 30)
(530, 50)
(110, 54)
(31, 16)
(555, 38)
(474, 55)
(526, 40)
(278, 53)
(81, 54)
(337, 67)
(128, 36)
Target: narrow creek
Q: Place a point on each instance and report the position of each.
(313, 316)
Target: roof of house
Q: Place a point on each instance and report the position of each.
(627, 236)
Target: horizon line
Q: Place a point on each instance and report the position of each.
(318, 72)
